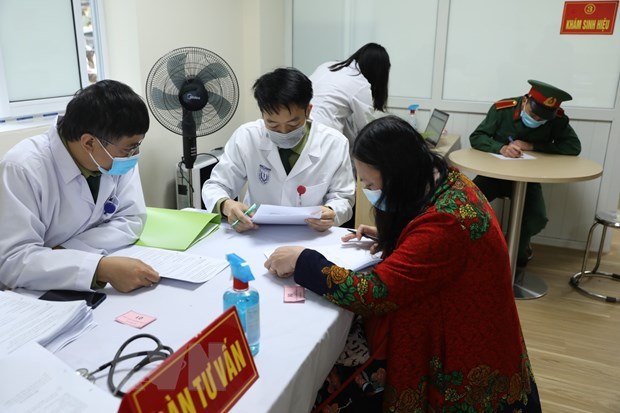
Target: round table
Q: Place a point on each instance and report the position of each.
(544, 168)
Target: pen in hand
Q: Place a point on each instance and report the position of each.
(251, 209)
(519, 149)
(354, 231)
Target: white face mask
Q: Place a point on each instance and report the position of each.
(287, 140)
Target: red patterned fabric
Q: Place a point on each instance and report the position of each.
(453, 335)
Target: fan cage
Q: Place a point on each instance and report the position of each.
(187, 62)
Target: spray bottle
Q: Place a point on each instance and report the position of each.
(245, 298)
(413, 121)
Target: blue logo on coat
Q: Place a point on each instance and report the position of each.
(264, 173)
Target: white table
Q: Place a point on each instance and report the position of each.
(546, 168)
(299, 342)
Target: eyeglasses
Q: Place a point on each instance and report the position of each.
(129, 152)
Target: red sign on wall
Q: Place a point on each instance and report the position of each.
(589, 17)
(208, 374)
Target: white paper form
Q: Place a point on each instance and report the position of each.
(34, 380)
(275, 214)
(352, 255)
(175, 264)
(524, 157)
(53, 324)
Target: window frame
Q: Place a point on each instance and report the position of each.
(24, 110)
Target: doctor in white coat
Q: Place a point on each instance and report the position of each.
(347, 94)
(284, 158)
(73, 195)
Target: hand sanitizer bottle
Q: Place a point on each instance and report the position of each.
(413, 121)
(245, 298)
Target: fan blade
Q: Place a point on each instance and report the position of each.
(220, 104)
(162, 100)
(176, 69)
(212, 71)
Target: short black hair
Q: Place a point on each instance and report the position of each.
(282, 88)
(407, 166)
(108, 110)
(374, 64)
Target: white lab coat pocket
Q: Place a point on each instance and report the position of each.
(314, 195)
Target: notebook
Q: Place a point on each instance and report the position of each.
(435, 127)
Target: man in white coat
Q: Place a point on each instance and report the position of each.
(284, 158)
(73, 195)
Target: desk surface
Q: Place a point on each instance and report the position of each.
(550, 168)
(299, 342)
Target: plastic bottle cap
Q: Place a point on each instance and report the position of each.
(240, 285)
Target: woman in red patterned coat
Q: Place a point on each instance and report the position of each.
(439, 308)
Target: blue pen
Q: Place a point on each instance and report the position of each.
(247, 212)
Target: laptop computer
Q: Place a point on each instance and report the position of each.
(435, 127)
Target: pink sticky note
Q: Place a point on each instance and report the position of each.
(133, 319)
(294, 294)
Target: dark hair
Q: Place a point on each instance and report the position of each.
(407, 166)
(282, 88)
(374, 64)
(108, 110)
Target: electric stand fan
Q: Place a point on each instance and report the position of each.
(192, 92)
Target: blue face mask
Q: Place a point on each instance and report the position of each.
(373, 197)
(529, 121)
(120, 166)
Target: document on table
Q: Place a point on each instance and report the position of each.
(177, 265)
(352, 255)
(53, 324)
(524, 157)
(34, 380)
(275, 214)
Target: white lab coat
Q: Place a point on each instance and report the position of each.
(323, 168)
(341, 99)
(45, 202)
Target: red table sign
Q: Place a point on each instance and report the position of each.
(589, 17)
(208, 374)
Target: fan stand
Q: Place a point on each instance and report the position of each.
(189, 148)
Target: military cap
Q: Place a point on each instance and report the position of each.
(546, 99)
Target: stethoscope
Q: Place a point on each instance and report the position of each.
(110, 205)
(160, 352)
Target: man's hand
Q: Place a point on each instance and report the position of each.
(236, 211)
(325, 222)
(523, 145)
(125, 274)
(511, 151)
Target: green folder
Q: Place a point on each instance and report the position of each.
(173, 229)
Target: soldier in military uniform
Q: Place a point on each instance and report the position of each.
(534, 122)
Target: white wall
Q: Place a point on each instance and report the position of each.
(247, 34)
(469, 43)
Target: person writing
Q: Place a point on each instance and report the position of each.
(71, 196)
(284, 158)
(437, 310)
(534, 122)
(347, 93)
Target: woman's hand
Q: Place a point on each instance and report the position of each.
(283, 260)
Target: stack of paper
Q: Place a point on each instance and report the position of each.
(53, 324)
(34, 380)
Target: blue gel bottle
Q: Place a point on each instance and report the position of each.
(246, 299)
